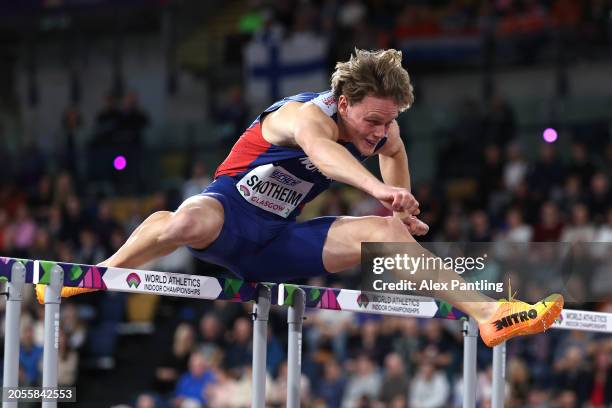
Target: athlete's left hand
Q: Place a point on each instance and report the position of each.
(415, 226)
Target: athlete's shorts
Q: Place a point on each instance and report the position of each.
(259, 246)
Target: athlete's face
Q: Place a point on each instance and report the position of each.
(365, 123)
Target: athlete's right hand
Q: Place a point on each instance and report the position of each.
(397, 199)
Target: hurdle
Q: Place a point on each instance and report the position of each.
(57, 274)
(297, 298)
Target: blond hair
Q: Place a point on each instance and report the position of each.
(377, 73)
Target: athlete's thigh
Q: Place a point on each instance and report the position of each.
(342, 248)
(295, 252)
(200, 219)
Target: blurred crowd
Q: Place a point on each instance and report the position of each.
(350, 360)
(390, 23)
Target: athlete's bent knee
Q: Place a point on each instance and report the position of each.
(391, 229)
(191, 226)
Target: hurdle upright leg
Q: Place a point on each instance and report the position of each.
(499, 376)
(470, 338)
(295, 317)
(11, 330)
(51, 338)
(261, 311)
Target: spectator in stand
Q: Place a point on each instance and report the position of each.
(430, 388)
(41, 199)
(63, 189)
(599, 379)
(516, 230)
(537, 398)
(210, 337)
(479, 228)
(395, 382)
(490, 175)
(515, 167)
(107, 124)
(581, 164)
(30, 355)
(331, 388)
(406, 344)
(518, 378)
(436, 344)
(600, 196)
(277, 394)
(72, 220)
(89, 251)
(191, 388)
(134, 121)
(580, 229)
(547, 174)
(68, 362)
(198, 180)
(550, 226)
(41, 248)
(239, 346)
(499, 122)
(571, 371)
(572, 193)
(146, 400)
(232, 392)
(174, 362)
(71, 123)
(22, 231)
(566, 399)
(363, 381)
(73, 327)
(604, 232)
(369, 340)
(105, 224)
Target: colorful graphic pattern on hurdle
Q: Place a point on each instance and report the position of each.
(136, 280)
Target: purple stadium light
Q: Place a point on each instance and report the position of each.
(550, 135)
(120, 162)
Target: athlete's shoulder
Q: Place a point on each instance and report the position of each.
(326, 101)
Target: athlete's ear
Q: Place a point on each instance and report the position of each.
(342, 104)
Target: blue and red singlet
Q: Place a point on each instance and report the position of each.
(263, 188)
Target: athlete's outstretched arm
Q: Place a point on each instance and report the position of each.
(393, 160)
(317, 135)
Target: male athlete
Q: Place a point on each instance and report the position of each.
(246, 219)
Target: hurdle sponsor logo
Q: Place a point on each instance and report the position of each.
(274, 189)
(133, 280)
(515, 318)
(162, 283)
(363, 301)
(581, 320)
(388, 304)
(172, 284)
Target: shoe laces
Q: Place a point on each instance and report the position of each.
(511, 297)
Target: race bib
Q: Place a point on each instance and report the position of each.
(274, 189)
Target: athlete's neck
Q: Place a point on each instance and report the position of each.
(342, 134)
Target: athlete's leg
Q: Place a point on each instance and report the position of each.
(196, 223)
(498, 321)
(342, 250)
